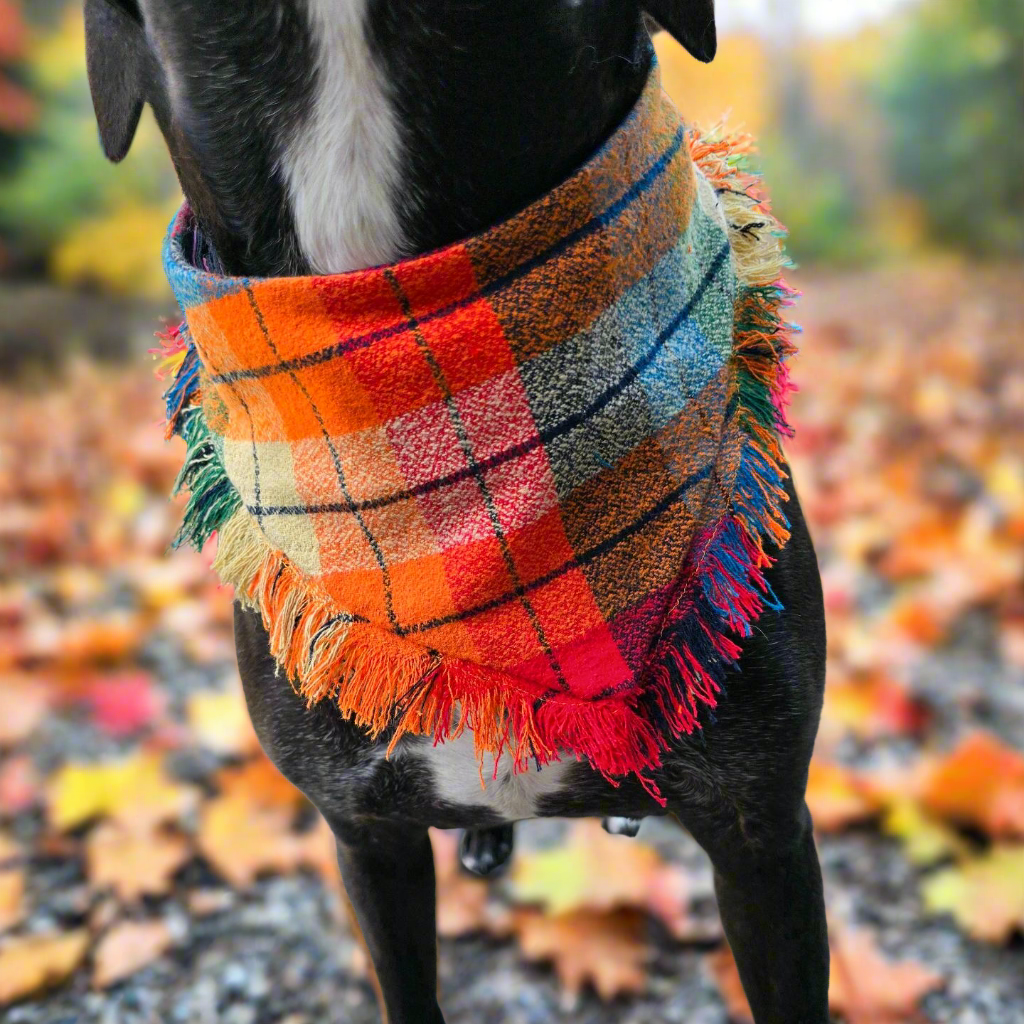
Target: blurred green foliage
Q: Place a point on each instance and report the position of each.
(812, 172)
(61, 178)
(953, 95)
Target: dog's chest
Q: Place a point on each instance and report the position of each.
(456, 774)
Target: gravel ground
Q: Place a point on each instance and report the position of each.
(281, 954)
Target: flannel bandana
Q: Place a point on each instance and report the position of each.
(520, 485)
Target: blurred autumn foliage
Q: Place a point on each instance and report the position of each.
(127, 758)
(140, 824)
(64, 210)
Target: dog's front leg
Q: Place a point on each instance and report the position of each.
(388, 871)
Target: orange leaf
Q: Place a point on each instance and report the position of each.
(261, 783)
(867, 988)
(610, 951)
(36, 962)
(835, 798)
(243, 840)
(980, 783)
(12, 898)
(133, 863)
(127, 948)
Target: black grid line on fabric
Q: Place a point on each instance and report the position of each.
(375, 547)
(578, 561)
(543, 437)
(596, 223)
(478, 474)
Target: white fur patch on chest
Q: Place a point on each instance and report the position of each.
(512, 797)
(342, 164)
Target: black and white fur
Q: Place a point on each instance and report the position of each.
(326, 135)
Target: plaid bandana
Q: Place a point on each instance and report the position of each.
(520, 485)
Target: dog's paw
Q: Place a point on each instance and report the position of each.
(485, 851)
(622, 826)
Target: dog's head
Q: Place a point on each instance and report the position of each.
(326, 135)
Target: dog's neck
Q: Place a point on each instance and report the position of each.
(407, 140)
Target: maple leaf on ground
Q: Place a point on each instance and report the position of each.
(985, 896)
(980, 783)
(597, 871)
(132, 862)
(868, 988)
(464, 905)
(261, 783)
(242, 840)
(127, 948)
(135, 791)
(608, 950)
(36, 962)
(835, 797)
(865, 987)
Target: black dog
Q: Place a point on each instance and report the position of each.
(326, 135)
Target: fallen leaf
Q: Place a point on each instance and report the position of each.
(985, 895)
(24, 702)
(872, 706)
(608, 950)
(220, 722)
(925, 841)
(464, 905)
(597, 871)
(834, 797)
(12, 898)
(135, 791)
(127, 948)
(868, 988)
(133, 862)
(261, 783)
(242, 840)
(124, 703)
(864, 986)
(36, 962)
(980, 783)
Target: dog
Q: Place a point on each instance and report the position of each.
(323, 136)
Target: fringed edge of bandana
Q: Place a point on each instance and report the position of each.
(387, 687)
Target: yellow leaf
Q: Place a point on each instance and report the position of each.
(135, 791)
(30, 964)
(985, 896)
(925, 840)
(115, 252)
(592, 870)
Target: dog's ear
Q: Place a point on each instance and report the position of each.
(692, 22)
(115, 47)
